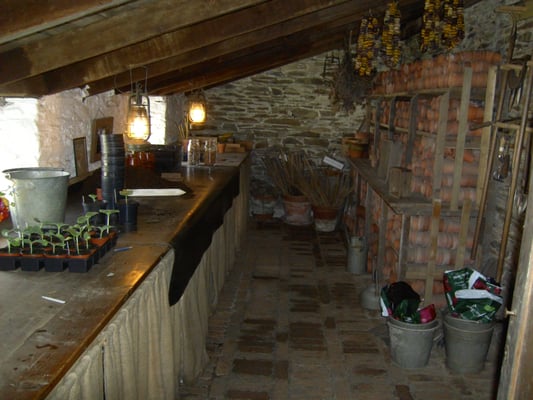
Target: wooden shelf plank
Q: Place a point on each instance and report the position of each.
(454, 92)
(415, 204)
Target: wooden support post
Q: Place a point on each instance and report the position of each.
(461, 136)
(463, 234)
(404, 236)
(484, 161)
(381, 243)
(434, 233)
(413, 119)
(439, 145)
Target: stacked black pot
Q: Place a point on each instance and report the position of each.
(113, 167)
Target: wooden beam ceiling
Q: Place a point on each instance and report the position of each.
(180, 44)
(289, 35)
(149, 24)
(239, 65)
(20, 18)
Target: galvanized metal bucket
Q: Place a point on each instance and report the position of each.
(38, 194)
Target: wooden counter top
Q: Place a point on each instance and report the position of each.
(41, 339)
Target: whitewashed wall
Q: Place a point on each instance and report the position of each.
(65, 116)
(39, 132)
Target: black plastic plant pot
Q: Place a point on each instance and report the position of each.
(9, 261)
(82, 262)
(31, 262)
(96, 255)
(100, 246)
(113, 239)
(55, 262)
(128, 215)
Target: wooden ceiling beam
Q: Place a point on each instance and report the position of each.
(289, 13)
(194, 37)
(20, 18)
(303, 27)
(122, 35)
(208, 75)
(135, 25)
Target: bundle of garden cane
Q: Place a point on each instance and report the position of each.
(285, 168)
(323, 186)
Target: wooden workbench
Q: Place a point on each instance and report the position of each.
(43, 339)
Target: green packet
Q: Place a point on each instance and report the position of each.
(471, 295)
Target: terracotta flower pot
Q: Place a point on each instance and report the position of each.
(297, 210)
(325, 218)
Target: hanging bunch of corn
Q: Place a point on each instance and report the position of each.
(431, 25)
(453, 23)
(390, 36)
(366, 47)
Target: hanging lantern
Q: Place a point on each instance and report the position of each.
(197, 113)
(139, 116)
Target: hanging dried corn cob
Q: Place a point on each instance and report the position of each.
(390, 36)
(431, 29)
(367, 48)
(453, 28)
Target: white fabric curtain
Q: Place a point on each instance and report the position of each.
(191, 313)
(132, 358)
(85, 379)
(148, 347)
(138, 362)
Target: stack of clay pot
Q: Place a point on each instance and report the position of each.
(442, 71)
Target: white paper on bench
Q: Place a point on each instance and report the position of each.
(156, 192)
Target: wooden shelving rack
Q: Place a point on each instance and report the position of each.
(417, 204)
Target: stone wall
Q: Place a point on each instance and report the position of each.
(288, 107)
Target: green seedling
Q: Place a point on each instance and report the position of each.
(125, 193)
(75, 231)
(58, 240)
(85, 220)
(58, 226)
(86, 236)
(29, 233)
(42, 242)
(106, 228)
(13, 238)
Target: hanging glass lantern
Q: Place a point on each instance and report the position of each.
(197, 112)
(138, 128)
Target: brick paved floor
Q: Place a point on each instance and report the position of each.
(289, 325)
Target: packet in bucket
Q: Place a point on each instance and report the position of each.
(471, 295)
(399, 301)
